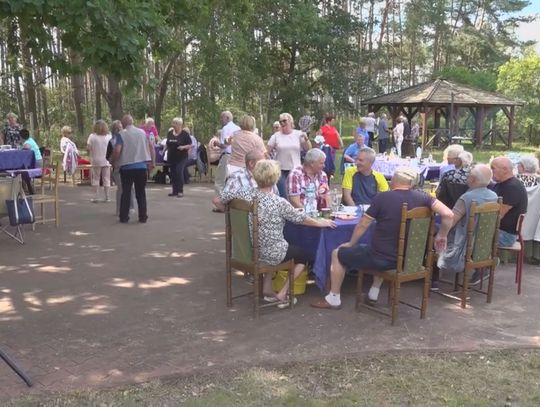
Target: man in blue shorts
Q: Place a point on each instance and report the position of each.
(381, 253)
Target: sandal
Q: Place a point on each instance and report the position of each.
(216, 210)
(268, 298)
(283, 305)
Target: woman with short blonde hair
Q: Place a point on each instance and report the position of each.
(242, 142)
(287, 144)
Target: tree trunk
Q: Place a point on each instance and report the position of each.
(29, 78)
(78, 92)
(13, 51)
(162, 88)
(114, 98)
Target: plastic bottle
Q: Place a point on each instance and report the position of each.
(310, 200)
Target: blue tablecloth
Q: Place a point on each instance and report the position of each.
(319, 243)
(388, 167)
(16, 159)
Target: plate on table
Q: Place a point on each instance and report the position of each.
(344, 216)
(351, 210)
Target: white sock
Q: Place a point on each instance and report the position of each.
(333, 299)
(373, 293)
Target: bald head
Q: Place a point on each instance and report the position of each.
(502, 169)
(127, 120)
(480, 176)
(252, 158)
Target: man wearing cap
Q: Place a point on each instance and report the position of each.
(381, 252)
(361, 183)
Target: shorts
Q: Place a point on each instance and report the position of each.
(103, 173)
(361, 257)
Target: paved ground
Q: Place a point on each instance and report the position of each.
(98, 303)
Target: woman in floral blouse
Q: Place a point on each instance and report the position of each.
(273, 211)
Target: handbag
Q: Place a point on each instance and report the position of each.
(20, 209)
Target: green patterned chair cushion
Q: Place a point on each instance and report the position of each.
(415, 250)
(242, 249)
(485, 228)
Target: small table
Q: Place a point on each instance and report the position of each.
(320, 242)
(17, 159)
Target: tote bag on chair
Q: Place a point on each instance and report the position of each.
(20, 209)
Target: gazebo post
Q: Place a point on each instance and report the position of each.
(423, 118)
(511, 126)
(479, 125)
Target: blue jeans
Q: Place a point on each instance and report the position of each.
(282, 183)
(506, 239)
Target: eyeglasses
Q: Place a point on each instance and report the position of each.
(283, 121)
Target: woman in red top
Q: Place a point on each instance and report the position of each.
(331, 135)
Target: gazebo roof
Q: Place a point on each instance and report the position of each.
(439, 92)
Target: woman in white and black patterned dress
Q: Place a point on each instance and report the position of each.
(273, 211)
(528, 171)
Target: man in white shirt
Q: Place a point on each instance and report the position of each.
(370, 127)
(224, 143)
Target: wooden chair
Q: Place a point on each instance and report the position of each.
(52, 177)
(481, 252)
(519, 249)
(415, 258)
(243, 255)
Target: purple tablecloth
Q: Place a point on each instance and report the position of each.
(319, 243)
(16, 159)
(388, 167)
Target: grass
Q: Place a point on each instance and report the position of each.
(493, 378)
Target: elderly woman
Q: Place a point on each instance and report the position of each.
(273, 211)
(287, 144)
(331, 135)
(177, 148)
(244, 141)
(101, 169)
(528, 171)
(450, 155)
(11, 133)
(150, 130)
(71, 153)
(448, 192)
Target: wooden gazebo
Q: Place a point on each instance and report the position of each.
(440, 97)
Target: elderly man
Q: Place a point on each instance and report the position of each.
(135, 155)
(381, 253)
(453, 259)
(242, 178)
(370, 122)
(224, 143)
(311, 172)
(361, 183)
(384, 133)
(514, 196)
(350, 154)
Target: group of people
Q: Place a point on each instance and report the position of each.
(280, 186)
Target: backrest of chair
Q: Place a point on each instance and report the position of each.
(415, 238)
(482, 231)
(239, 243)
(519, 225)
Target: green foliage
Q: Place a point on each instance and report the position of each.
(485, 80)
(520, 78)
